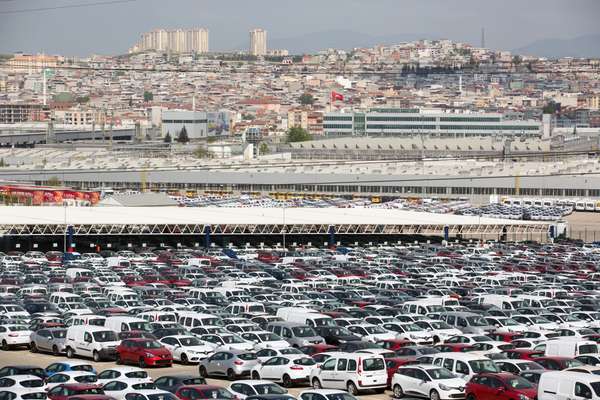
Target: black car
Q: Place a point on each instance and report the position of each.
(335, 335)
(171, 383)
(10, 370)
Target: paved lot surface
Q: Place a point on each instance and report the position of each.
(43, 360)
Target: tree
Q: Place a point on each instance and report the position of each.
(517, 60)
(307, 99)
(148, 96)
(202, 152)
(263, 149)
(298, 134)
(551, 108)
(54, 181)
(2, 164)
(168, 138)
(183, 136)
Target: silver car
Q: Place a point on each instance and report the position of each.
(50, 340)
(230, 363)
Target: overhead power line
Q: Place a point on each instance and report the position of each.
(78, 5)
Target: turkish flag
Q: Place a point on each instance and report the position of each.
(336, 96)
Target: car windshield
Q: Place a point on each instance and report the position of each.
(150, 344)
(304, 361)
(573, 363)
(92, 390)
(373, 364)
(190, 341)
(269, 388)
(268, 337)
(481, 338)
(540, 320)
(137, 374)
(303, 331)
(290, 350)
(162, 396)
(518, 383)
(476, 321)
(216, 393)
(439, 325)
(86, 379)
(340, 396)
(59, 334)
(143, 385)
(526, 366)
(374, 329)
(247, 356)
(588, 349)
(411, 328)
(140, 326)
(440, 373)
(32, 383)
(18, 328)
(479, 366)
(104, 336)
(509, 322)
(231, 339)
(324, 322)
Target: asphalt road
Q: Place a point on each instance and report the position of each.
(24, 357)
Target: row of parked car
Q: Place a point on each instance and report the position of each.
(506, 321)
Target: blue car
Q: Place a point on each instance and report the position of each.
(63, 366)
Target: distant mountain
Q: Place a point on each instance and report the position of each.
(581, 47)
(338, 39)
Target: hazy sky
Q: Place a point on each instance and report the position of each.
(112, 29)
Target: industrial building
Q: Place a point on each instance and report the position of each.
(198, 124)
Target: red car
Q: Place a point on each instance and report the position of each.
(312, 349)
(62, 392)
(203, 392)
(395, 344)
(144, 352)
(523, 354)
(392, 365)
(501, 386)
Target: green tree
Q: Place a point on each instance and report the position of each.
(202, 152)
(550, 108)
(517, 60)
(307, 99)
(2, 164)
(168, 138)
(54, 181)
(183, 136)
(264, 149)
(297, 134)
(148, 96)
(82, 99)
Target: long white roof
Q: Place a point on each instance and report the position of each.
(10, 215)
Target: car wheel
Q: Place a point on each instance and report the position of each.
(398, 392)
(203, 372)
(70, 353)
(4, 345)
(184, 359)
(434, 395)
(230, 374)
(96, 356)
(286, 380)
(255, 375)
(118, 360)
(351, 388)
(55, 350)
(471, 397)
(316, 384)
(142, 363)
(33, 348)
(436, 340)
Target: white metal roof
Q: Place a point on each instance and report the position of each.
(10, 215)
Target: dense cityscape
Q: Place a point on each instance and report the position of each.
(334, 215)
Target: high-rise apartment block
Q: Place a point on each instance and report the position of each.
(176, 41)
(258, 42)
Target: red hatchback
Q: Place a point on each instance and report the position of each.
(62, 392)
(144, 352)
(203, 392)
(502, 386)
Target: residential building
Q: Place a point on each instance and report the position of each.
(176, 41)
(29, 63)
(258, 42)
(18, 113)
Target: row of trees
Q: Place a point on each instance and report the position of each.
(182, 138)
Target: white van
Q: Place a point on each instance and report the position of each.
(304, 316)
(568, 347)
(500, 301)
(465, 365)
(158, 316)
(562, 385)
(88, 319)
(245, 308)
(124, 324)
(64, 297)
(97, 342)
(352, 372)
(430, 305)
(295, 288)
(192, 319)
(528, 300)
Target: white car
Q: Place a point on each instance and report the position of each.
(371, 333)
(227, 341)
(119, 389)
(264, 354)
(325, 394)
(245, 388)
(13, 311)
(506, 324)
(439, 329)
(488, 348)
(24, 393)
(14, 335)
(285, 369)
(264, 340)
(21, 382)
(133, 374)
(410, 331)
(536, 322)
(187, 349)
(70, 377)
(430, 381)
